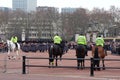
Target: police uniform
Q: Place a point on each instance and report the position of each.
(57, 40)
(14, 39)
(82, 41)
(99, 41)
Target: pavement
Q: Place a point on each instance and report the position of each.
(13, 68)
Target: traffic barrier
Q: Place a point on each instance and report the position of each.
(24, 65)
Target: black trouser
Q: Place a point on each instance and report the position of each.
(60, 46)
(82, 45)
(85, 47)
(86, 50)
(16, 45)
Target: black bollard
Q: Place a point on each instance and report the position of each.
(23, 65)
(92, 67)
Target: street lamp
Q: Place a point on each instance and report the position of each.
(115, 27)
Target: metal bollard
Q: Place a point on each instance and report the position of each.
(23, 65)
(92, 67)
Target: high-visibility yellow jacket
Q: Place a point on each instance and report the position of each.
(99, 41)
(81, 40)
(57, 39)
(14, 39)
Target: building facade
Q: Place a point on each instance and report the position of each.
(5, 9)
(25, 5)
(48, 21)
(68, 10)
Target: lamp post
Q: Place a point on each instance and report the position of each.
(27, 26)
(115, 30)
(23, 34)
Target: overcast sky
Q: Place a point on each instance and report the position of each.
(89, 4)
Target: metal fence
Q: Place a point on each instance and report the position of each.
(91, 67)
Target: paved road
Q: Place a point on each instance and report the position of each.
(14, 69)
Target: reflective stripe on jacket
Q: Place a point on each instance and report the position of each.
(99, 41)
(81, 40)
(57, 39)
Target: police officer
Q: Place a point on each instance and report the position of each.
(14, 39)
(81, 40)
(57, 40)
(99, 41)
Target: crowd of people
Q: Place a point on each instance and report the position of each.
(33, 46)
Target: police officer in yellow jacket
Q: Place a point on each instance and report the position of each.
(14, 39)
(81, 40)
(99, 41)
(57, 40)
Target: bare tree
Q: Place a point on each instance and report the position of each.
(17, 21)
(45, 16)
(100, 20)
(76, 22)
